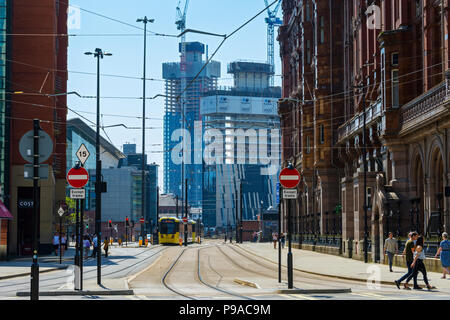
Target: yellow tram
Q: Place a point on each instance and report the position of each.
(171, 230)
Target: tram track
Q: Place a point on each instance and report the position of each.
(198, 277)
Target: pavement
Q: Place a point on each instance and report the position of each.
(21, 267)
(339, 267)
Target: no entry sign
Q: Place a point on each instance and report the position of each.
(289, 178)
(77, 178)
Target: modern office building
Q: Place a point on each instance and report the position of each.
(36, 67)
(243, 114)
(134, 160)
(177, 75)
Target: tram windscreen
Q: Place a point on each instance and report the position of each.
(168, 227)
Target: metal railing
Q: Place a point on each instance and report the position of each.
(425, 102)
(356, 123)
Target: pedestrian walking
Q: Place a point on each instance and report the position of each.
(56, 243)
(444, 251)
(390, 248)
(408, 252)
(283, 240)
(94, 244)
(275, 239)
(231, 239)
(418, 265)
(120, 242)
(225, 238)
(87, 246)
(106, 246)
(63, 243)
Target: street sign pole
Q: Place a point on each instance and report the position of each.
(78, 245)
(60, 242)
(279, 235)
(35, 266)
(81, 204)
(289, 178)
(289, 256)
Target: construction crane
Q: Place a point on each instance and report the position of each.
(181, 19)
(272, 20)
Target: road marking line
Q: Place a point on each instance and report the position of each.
(296, 296)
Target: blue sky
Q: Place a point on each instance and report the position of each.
(221, 17)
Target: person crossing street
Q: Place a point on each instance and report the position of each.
(409, 255)
(106, 246)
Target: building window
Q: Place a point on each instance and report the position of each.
(322, 133)
(322, 29)
(369, 197)
(395, 89)
(307, 11)
(308, 145)
(394, 59)
(308, 51)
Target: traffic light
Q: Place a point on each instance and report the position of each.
(127, 222)
(109, 224)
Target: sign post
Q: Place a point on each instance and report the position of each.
(35, 147)
(78, 177)
(279, 231)
(289, 179)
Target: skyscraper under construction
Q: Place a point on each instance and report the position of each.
(183, 105)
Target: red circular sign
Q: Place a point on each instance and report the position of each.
(185, 219)
(289, 178)
(77, 178)
(141, 220)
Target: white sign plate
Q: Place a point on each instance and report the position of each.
(290, 194)
(83, 153)
(78, 193)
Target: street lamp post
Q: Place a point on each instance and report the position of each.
(145, 21)
(99, 54)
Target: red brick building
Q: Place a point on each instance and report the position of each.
(387, 60)
(38, 67)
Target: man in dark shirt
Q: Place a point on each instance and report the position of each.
(409, 255)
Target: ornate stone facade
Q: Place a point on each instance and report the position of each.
(381, 65)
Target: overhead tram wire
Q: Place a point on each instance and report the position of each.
(119, 21)
(76, 111)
